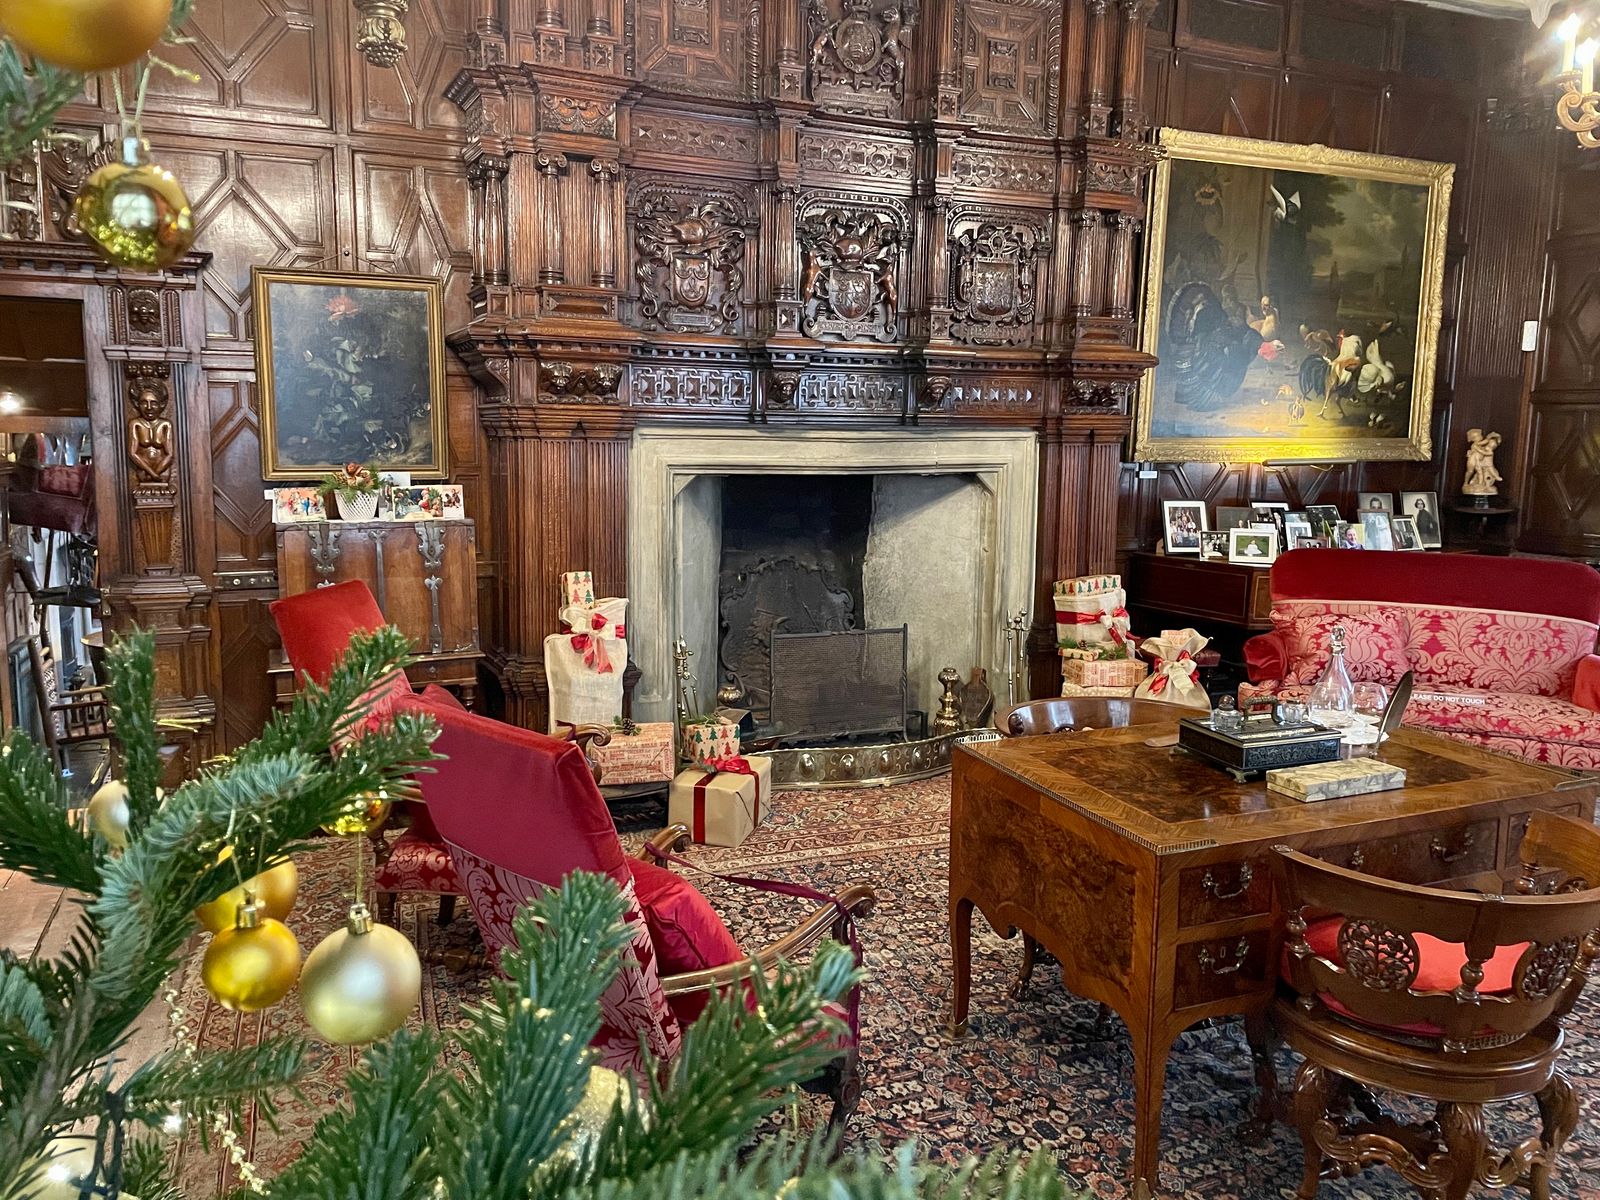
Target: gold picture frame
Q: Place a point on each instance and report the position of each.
(349, 368)
(1233, 265)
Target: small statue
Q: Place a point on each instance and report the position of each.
(1481, 474)
(150, 435)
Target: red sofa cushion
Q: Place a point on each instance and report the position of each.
(1375, 650)
(687, 933)
(418, 862)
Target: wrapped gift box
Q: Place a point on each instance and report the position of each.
(577, 587)
(608, 615)
(712, 737)
(1088, 585)
(648, 755)
(1092, 619)
(721, 807)
(1086, 671)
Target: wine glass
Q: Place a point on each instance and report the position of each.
(1368, 701)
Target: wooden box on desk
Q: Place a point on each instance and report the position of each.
(423, 574)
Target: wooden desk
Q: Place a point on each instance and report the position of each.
(1146, 872)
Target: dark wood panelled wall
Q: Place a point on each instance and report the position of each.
(781, 212)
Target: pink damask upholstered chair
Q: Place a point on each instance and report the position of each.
(519, 811)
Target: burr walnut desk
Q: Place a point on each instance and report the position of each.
(1145, 871)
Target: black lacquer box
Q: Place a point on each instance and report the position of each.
(1261, 745)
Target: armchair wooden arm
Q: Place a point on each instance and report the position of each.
(674, 839)
(587, 737)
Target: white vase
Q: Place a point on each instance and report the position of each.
(358, 506)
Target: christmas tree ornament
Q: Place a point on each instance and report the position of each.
(361, 982)
(587, 1120)
(252, 965)
(136, 211)
(86, 35)
(60, 1172)
(108, 812)
(275, 889)
(364, 814)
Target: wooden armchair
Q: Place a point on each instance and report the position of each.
(1451, 997)
(70, 717)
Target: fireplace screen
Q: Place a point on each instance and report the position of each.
(848, 683)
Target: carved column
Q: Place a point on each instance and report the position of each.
(1130, 119)
(785, 265)
(1074, 81)
(550, 165)
(1101, 37)
(1122, 228)
(605, 173)
(151, 449)
(488, 176)
(551, 27)
(1085, 236)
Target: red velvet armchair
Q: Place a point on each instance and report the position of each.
(519, 811)
(1502, 649)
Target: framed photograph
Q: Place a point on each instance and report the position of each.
(1233, 518)
(1349, 535)
(1311, 543)
(1375, 502)
(1183, 522)
(1292, 297)
(1258, 547)
(1270, 516)
(1295, 527)
(1268, 504)
(1423, 508)
(1214, 543)
(349, 368)
(1323, 518)
(1405, 533)
(298, 504)
(1377, 533)
(427, 502)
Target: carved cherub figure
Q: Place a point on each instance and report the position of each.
(1481, 473)
(150, 435)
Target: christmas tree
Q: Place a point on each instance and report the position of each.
(508, 1108)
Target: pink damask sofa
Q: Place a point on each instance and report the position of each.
(1502, 648)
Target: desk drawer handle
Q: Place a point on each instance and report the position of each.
(1210, 887)
(1209, 964)
(1441, 851)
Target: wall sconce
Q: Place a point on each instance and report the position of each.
(1578, 105)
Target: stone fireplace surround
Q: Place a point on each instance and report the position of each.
(673, 577)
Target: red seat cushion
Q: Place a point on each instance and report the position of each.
(417, 863)
(686, 931)
(1438, 969)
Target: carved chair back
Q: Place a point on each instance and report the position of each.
(1565, 846)
(1061, 714)
(1387, 928)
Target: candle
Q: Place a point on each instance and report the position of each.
(1586, 54)
(1568, 33)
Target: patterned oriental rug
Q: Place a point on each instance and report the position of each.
(1033, 1072)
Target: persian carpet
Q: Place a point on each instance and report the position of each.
(1034, 1071)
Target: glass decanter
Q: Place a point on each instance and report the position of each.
(1333, 701)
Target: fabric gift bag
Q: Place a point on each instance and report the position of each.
(584, 665)
(723, 800)
(1175, 677)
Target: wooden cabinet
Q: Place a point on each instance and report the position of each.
(424, 575)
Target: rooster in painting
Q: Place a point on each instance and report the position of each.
(1207, 351)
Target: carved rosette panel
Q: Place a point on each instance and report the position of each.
(689, 241)
(577, 114)
(858, 54)
(992, 285)
(701, 47)
(686, 387)
(1004, 170)
(865, 158)
(851, 258)
(663, 133)
(1010, 63)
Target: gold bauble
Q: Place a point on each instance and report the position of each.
(108, 812)
(58, 1173)
(135, 211)
(275, 889)
(588, 1119)
(86, 35)
(252, 965)
(361, 982)
(361, 816)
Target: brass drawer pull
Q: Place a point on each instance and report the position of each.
(1209, 885)
(1444, 854)
(1209, 963)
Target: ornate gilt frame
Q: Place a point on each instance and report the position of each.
(1417, 443)
(261, 278)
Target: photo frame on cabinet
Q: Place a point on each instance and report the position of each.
(349, 368)
(1423, 508)
(1182, 523)
(1214, 544)
(1293, 298)
(1257, 547)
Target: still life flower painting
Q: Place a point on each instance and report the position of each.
(349, 368)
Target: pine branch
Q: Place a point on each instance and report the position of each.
(148, 1173)
(131, 693)
(207, 1084)
(38, 839)
(377, 1148)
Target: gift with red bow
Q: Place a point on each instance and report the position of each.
(585, 661)
(1092, 614)
(722, 800)
(1174, 675)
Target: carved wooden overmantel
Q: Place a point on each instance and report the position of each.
(867, 212)
(142, 333)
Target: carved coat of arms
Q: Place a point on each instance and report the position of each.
(689, 268)
(991, 282)
(848, 283)
(858, 53)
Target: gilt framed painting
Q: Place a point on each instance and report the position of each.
(349, 368)
(1293, 298)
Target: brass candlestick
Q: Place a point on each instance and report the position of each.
(948, 720)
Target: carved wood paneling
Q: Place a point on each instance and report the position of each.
(1218, 96)
(409, 98)
(698, 47)
(1010, 63)
(412, 218)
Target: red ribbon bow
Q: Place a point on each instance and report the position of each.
(594, 653)
(735, 764)
(732, 765)
(1159, 683)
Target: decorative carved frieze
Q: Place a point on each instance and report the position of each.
(561, 381)
(19, 196)
(992, 279)
(864, 157)
(578, 114)
(66, 165)
(991, 396)
(690, 242)
(1010, 54)
(858, 54)
(663, 386)
(667, 134)
(1004, 170)
(851, 261)
(1101, 395)
(851, 391)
